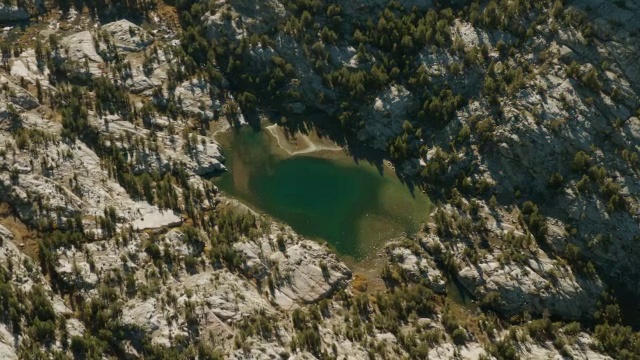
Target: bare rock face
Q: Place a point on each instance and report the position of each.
(17, 96)
(80, 46)
(534, 287)
(234, 16)
(447, 351)
(127, 36)
(211, 299)
(139, 83)
(219, 298)
(418, 267)
(517, 275)
(311, 273)
(148, 76)
(616, 26)
(199, 154)
(27, 67)
(196, 99)
(307, 272)
(7, 347)
(385, 118)
(42, 189)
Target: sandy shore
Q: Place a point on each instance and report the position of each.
(300, 143)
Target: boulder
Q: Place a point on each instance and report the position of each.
(196, 98)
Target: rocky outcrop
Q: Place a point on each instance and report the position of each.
(127, 36)
(307, 272)
(17, 96)
(199, 154)
(81, 50)
(534, 287)
(518, 276)
(196, 99)
(385, 117)
(7, 344)
(44, 181)
(615, 23)
(418, 267)
(27, 67)
(237, 18)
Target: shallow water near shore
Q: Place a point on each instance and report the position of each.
(322, 194)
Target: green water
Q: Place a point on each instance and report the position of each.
(323, 195)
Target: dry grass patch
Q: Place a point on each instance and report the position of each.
(24, 238)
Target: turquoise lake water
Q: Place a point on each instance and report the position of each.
(323, 195)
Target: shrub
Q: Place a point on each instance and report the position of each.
(459, 336)
(556, 180)
(580, 161)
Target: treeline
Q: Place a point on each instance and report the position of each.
(109, 9)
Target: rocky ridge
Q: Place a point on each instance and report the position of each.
(251, 289)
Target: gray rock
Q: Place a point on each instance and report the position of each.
(17, 95)
(128, 36)
(139, 83)
(308, 271)
(384, 119)
(202, 157)
(80, 48)
(418, 268)
(231, 19)
(7, 349)
(534, 287)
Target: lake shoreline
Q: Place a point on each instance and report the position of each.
(319, 189)
(311, 145)
(314, 145)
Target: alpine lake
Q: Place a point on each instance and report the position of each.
(319, 190)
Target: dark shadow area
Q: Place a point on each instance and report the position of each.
(107, 11)
(326, 126)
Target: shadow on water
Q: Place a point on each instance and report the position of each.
(330, 128)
